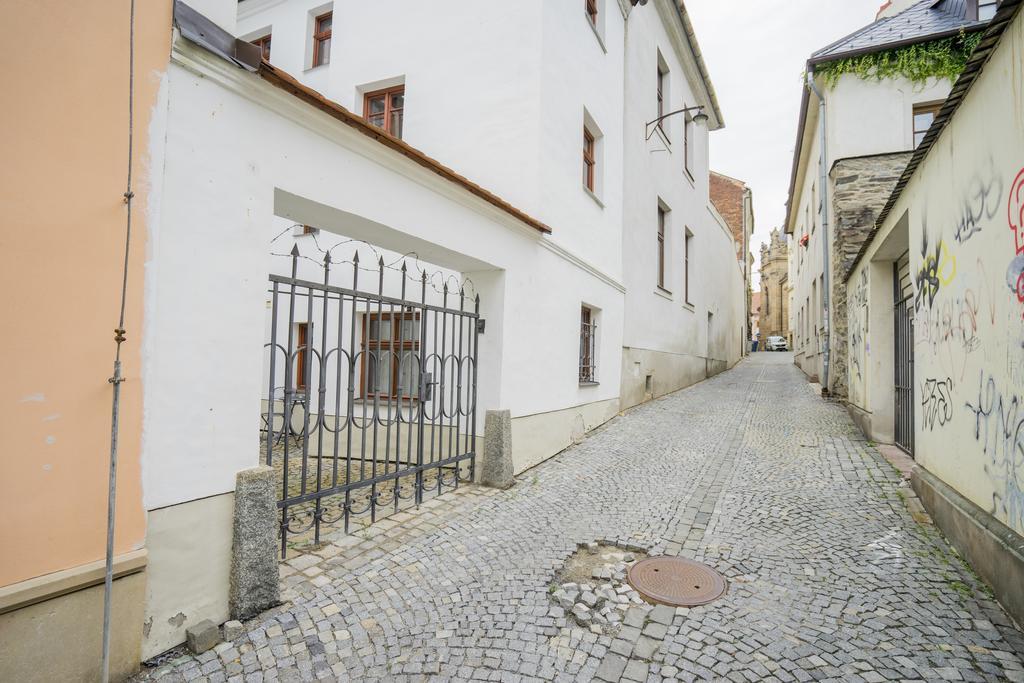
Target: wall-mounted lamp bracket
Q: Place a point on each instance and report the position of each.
(653, 125)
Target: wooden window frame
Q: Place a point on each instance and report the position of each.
(687, 241)
(320, 37)
(688, 145)
(661, 100)
(301, 356)
(386, 93)
(391, 345)
(661, 248)
(589, 160)
(263, 43)
(592, 10)
(932, 108)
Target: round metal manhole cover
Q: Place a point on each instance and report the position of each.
(676, 581)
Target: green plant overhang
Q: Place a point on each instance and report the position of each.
(944, 58)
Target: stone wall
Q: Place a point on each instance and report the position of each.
(860, 188)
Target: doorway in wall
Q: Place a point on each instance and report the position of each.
(903, 334)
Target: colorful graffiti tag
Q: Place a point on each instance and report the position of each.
(1015, 218)
(938, 269)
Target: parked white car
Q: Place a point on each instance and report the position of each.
(776, 344)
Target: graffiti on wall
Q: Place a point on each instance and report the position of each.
(937, 402)
(980, 204)
(999, 429)
(938, 269)
(1015, 218)
(952, 329)
(856, 312)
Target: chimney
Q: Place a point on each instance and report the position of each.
(881, 10)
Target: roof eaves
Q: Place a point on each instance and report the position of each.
(702, 67)
(1006, 13)
(797, 153)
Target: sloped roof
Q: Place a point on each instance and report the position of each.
(925, 20)
(1006, 14)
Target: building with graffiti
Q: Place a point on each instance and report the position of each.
(935, 308)
(860, 118)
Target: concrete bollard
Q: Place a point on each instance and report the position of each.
(496, 466)
(254, 573)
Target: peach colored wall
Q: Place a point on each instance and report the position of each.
(63, 132)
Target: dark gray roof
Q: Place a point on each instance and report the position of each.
(925, 20)
(1007, 12)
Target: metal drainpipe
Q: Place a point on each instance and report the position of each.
(747, 275)
(826, 285)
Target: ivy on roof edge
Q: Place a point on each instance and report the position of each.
(945, 58)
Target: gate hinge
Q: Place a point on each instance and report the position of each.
(481, 325)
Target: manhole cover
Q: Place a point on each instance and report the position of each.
(676, 581)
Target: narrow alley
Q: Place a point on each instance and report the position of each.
(829, 577)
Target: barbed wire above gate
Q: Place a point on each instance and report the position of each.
(433, 276)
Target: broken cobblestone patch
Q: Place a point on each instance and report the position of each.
(591, 588)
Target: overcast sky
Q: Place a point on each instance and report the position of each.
(755, 51)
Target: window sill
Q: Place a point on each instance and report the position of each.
(314, 68)
(688, 306)
(689, 177)
(662, 292)
(593, 196)
(597, 34)
(589, 384)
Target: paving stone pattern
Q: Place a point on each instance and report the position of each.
(830, 578)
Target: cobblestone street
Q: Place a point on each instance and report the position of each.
(829, 576)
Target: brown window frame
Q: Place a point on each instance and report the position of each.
(389, 110)
(588, 346)
(589, 161)
(301, 355)
(687, 144)
(263, 43)
(390, 345)
(932, 108)
(661, 248)
(687, 241)
(320, 57)
(592, 11)
(661, 100)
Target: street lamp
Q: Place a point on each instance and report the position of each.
(700, 117)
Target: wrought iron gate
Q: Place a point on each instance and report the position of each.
(371, 399)
(903, 332)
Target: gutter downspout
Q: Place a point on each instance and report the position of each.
(747, 285)
(826, 294)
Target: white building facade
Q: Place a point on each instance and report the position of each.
(515, 165)
(854, 137)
